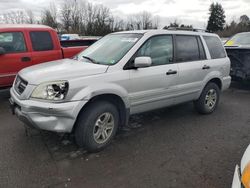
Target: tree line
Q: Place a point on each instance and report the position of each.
(82, 17)
(217, 23)
(85, 18)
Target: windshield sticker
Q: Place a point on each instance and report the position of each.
(111, 61)
(230, 43)
(129, 39)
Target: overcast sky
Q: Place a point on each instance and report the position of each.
(193, 12)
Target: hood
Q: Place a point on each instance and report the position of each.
(60, 70)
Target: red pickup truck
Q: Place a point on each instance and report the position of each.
(25, 45)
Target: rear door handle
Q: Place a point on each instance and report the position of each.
(25, 59)
(171, 72)
(205, 67)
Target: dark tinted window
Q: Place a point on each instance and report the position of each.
(159, 48)
(13, 42)
(41, 40)
(73, 43)
(215, 47)
(187, 48)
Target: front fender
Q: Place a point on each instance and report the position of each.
(104, 88)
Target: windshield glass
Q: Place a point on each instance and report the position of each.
(110, 49)
(239, 39)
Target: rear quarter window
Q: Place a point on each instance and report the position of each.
(41, 41)
(215, 47)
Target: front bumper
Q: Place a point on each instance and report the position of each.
(57, 117)
(237, 178)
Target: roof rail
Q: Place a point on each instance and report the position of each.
(187, 29)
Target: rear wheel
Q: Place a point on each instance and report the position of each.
(209, 99)
(97, 126)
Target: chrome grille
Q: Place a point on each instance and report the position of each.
(20, 85)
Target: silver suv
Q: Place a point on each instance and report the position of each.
(124, 73)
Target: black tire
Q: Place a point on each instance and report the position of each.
(200, 104)
(86, 123)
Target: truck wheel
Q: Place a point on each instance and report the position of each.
(209, 99)
(96, 126)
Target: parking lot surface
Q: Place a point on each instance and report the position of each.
(171, 147)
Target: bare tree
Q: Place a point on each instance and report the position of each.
(49, 16)
(244, 20)
(73, 14)
(66, 17)
(142, 20)
(82, 17)
(117, 24)
(14, 17)
(156, 22)
(146, 20)
(18, 17)
(30, 17)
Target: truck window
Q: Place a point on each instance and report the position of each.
(187, 48)
(41, 41)
(159, 48)
(13, 42)
(215, 47)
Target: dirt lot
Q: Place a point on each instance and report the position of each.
(172, 147)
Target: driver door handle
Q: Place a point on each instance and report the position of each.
(171, 72)
(25, 59)
(205, 67)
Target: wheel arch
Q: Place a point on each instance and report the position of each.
(116, 100)
(217, 81)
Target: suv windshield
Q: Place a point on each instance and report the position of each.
(239, 39)
(110, 49)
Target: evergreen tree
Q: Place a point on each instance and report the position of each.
(216, 19)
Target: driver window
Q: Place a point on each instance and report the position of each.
(12, 42)
(159, 48)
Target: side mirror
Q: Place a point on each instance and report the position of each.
(2, 51)
(141, 62)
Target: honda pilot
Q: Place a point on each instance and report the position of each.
(93, 94)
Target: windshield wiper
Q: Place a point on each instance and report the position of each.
(90, 59)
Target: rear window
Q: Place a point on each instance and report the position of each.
(187, 48)
(72, 43)
(215, 47)
(41, 41)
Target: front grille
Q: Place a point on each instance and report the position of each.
(20, 85)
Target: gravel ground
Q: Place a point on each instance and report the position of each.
(171, 147)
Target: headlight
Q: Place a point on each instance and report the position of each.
(245, 178)
(51, 91)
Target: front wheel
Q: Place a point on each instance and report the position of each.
(97, 126)
(209, 99)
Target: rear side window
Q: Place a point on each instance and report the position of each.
(41, 40)
(215, 47)
(13, 42)
(187, 48)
